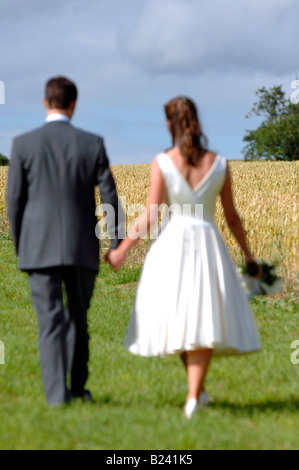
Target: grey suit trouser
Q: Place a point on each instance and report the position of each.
(61, 297)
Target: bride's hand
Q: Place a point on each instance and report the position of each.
(116, 258)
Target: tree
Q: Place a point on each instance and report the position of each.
(3, 160)
(277, 137)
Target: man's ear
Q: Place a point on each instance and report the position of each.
(71, 109)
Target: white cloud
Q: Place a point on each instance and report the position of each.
(191, 36)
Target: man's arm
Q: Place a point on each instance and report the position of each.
(115, 217)
(16, 194)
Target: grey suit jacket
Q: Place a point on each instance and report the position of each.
(52, 176)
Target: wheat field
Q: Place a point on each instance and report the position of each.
(267, 199)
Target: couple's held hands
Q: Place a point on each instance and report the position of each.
(116, 258)
(254, 269)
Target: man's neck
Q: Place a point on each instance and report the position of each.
(64, 112)
(68, 112)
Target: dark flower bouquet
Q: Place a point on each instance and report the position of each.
(267, 283)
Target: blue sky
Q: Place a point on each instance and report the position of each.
(129, 57)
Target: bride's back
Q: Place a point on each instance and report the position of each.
(192, 174)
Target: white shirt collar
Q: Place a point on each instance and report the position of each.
(57, 117)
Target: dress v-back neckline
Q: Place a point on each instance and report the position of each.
(202, 180)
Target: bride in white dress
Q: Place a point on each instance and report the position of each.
(189, 300)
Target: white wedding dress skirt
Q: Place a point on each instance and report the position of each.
(189, 294)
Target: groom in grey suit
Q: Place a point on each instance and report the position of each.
(53, 173)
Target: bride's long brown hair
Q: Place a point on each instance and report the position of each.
(186, 129)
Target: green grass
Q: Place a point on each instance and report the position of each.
(138, 401)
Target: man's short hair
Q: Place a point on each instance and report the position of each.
(60, 93)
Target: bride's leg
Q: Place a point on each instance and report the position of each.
(196, 363)
(184, 360)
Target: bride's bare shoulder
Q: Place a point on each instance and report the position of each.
(210, 156)
(172, 151)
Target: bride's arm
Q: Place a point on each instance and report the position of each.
(232, 217)
(147, 220)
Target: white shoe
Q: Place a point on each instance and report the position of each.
(191, 407)
(194, 405)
